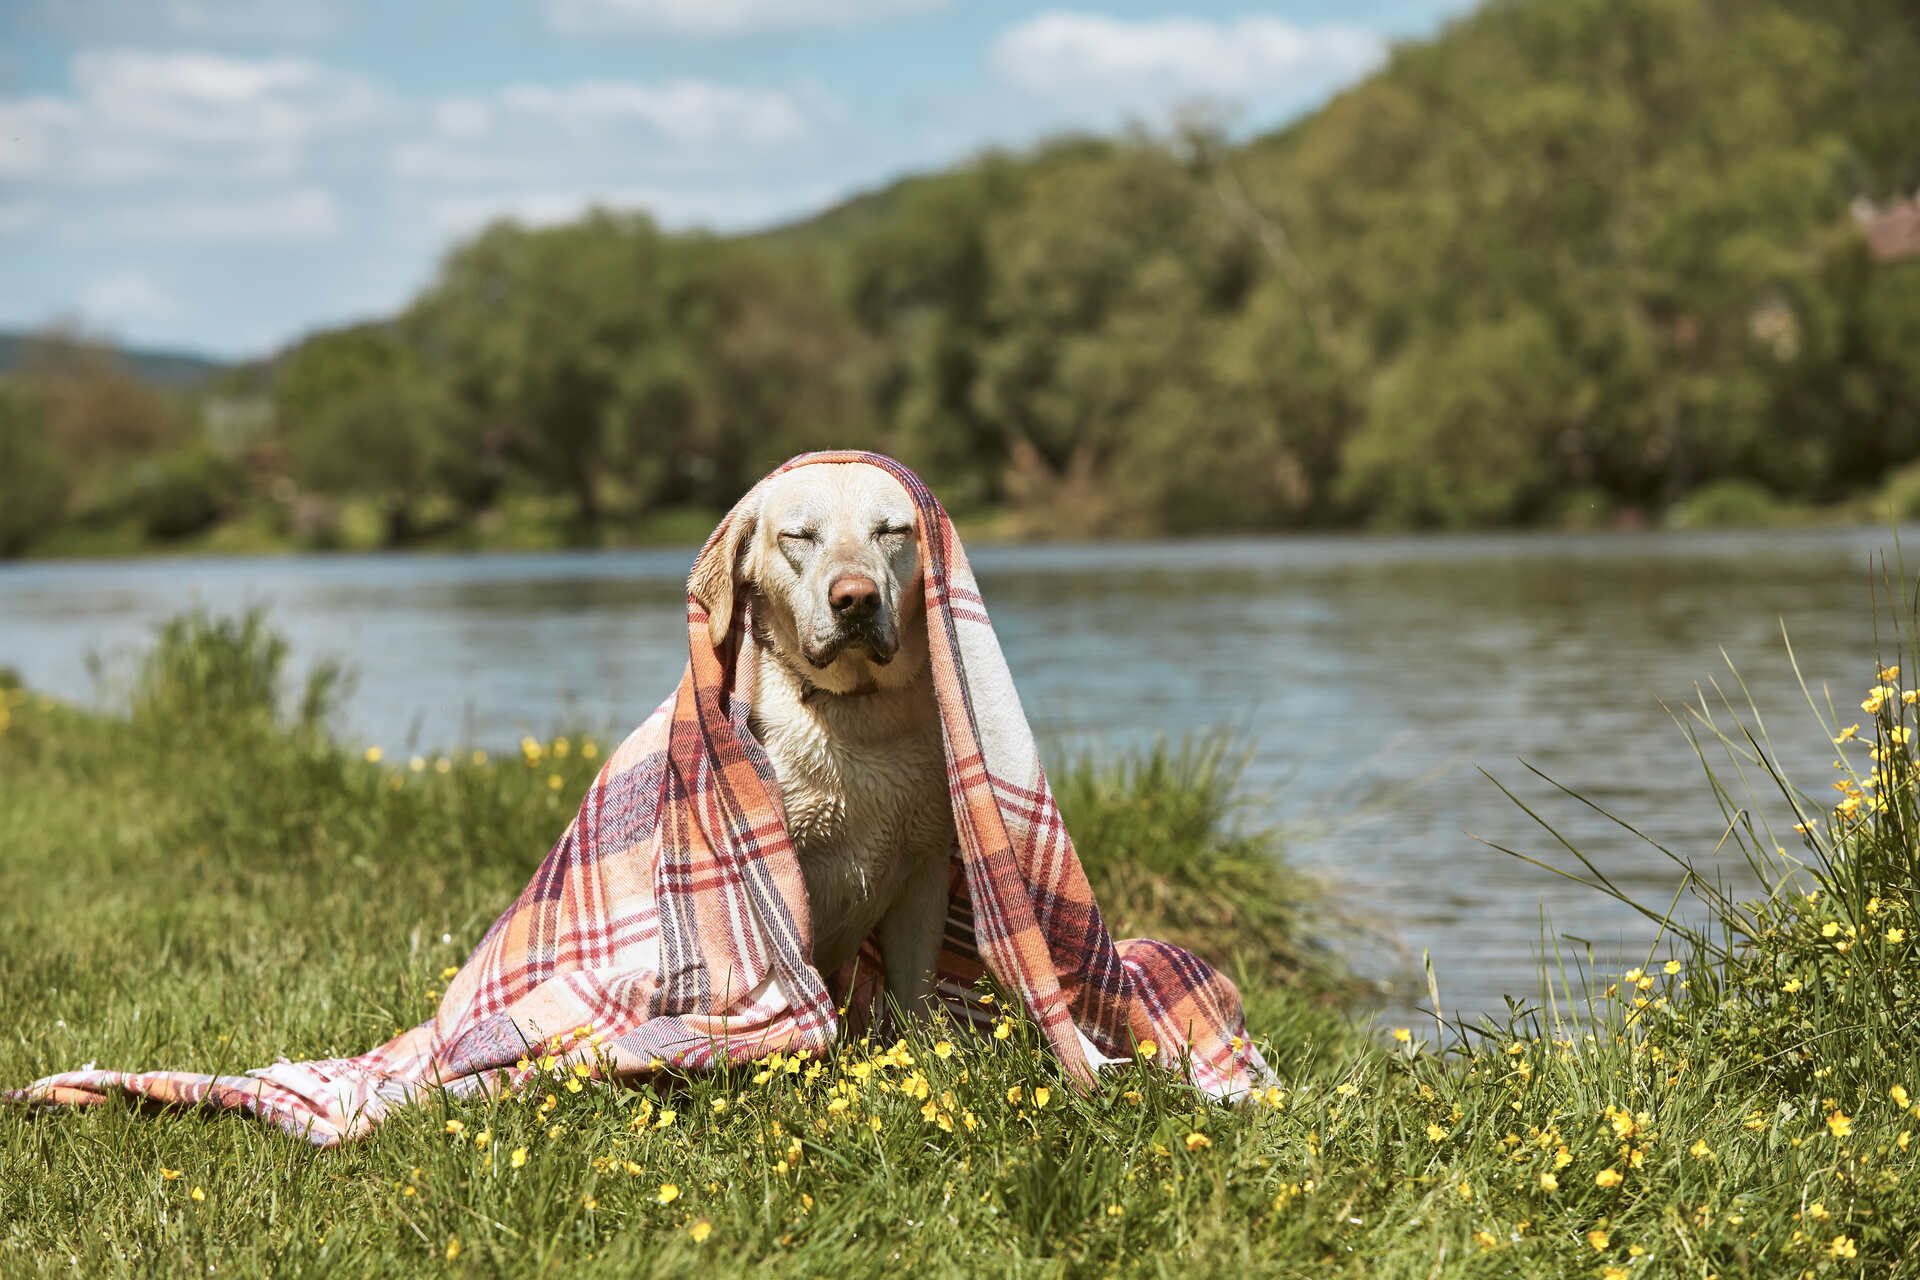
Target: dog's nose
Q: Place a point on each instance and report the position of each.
(853, 595)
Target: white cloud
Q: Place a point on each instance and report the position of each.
(282, 217)
(716, 18)
(680, 111)
(119, 297)
(29, 128)
(1101, 64)
(457, 217)
(137, 115)
(540, 133)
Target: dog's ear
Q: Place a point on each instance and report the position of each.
(723, 565)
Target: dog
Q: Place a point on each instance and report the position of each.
(846, 709)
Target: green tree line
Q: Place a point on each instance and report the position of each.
(1569, 256)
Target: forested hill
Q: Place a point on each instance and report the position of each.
(1594, 256)
(158, 368)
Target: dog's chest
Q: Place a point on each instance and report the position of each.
(865, 798)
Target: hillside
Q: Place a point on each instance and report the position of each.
(1570, 261)
(169, 369)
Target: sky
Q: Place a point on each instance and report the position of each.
(222, 176)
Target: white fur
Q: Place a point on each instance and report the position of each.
(856, 741)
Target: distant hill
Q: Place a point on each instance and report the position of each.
(175, 369)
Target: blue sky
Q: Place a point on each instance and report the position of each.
(223, 175)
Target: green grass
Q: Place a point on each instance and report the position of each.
(206, 882)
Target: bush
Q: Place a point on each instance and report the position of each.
(1156, 833)
(33, 480)
(185, 494)
(205, 669)
(1727, 504)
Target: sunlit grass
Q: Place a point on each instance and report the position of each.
(206, 884)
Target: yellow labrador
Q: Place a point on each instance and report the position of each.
(846, 708)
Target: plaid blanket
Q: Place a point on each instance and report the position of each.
(668, 927)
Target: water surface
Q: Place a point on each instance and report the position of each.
(1369, 675)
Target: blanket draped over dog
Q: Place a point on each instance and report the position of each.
(669, 925)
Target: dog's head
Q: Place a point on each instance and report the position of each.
(830, 549)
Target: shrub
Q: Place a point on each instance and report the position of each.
(213, 669)
(184, 494)
(1157, 835)
(33, 480)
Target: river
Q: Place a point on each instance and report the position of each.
(1370, 678)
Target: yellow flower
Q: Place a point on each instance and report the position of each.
(418, 764)
(1132, 1097)
(1889, 674)
(453, 1247)
(1874, 701)
(197, 1194)
(1001, 1030)
(1829, 929)
(668, 1193)
(1147, 1048)
(1114, 1211)
(482, 1138)
(455, 1127)
(700, 1231)
(1899, 1095)
(1198, 1141)
(1435, 1133)
(169, 1174)
(943, 1049)
(1042, 1096)
(588, 1202)
(519, 1157)
(1548, 1182)
(1613, 1273)
(373, 755)
(1896, 935)
(1840, 1124)
(1672, 967)
(555, 781)
(1700, 1150)
(1818, 1211)
(1466, 1190)
(1906, 1136)
(1790, 986)
(1598, 1239)
(1013, 1096)
(1403, 1035)
(1842, 1247)
(719, 1105)
(1608, 1178)
(1485, 1239)
(574, 1086)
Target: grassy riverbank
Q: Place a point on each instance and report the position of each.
(204, 883)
